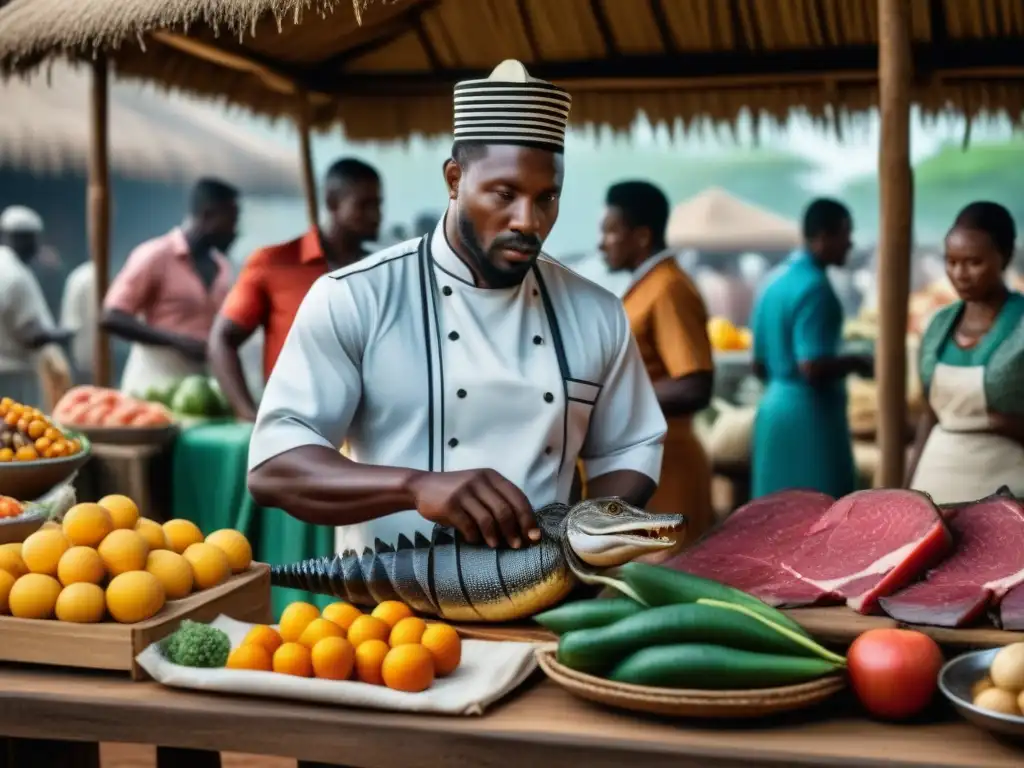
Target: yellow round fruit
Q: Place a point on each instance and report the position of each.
(293, 659)
(294, 620)
(235, 546)
(407, 632)
(81, 603)
(317, 630)
(181, 534)
(123, 511)
(333, 659)
(42, 551)
(123, 551)
(134, 596)
(263, 635)
(86, 525)
(369, 659)
(81, 565)
(255, 657)
(210, 565)
(367, 628)
(10, 560)
(50, 525)
(152, 532)
(342, 614)
(33, 596)
(408, 668)
(391, 612)
(6, 582)
(173, 571)
(445, 646)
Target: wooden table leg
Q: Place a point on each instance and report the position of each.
(40, 753)
(178, 757)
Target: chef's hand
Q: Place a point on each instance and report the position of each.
(479, 503)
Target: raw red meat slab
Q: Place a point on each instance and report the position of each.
(870, 544)
(744, 551)
(1010, 614)
(987, 563)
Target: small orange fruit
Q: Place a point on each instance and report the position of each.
(235, 546)
(265, 636)
(6, 582)
(408, 668)
(152, 532)
(342, 614)
(392, 612)
(10, 560)
(251, 656)
(294, 620)
(369, 660)
(42, 551)
(407, 631)
(367, 628)
(333, 659)
(123, 551)
(86, 525)
(445, 646)
(181, 534)
(293, 659)
(123, 511)
(317, 630)
(210, 565)
(33, 596)
(81, 565)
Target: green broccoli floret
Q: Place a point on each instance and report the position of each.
(197, 645)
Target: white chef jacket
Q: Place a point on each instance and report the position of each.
(402, 354)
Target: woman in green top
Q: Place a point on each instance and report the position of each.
(970, 440)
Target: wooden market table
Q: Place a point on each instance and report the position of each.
(540, 726)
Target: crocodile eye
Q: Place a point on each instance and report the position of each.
(614, 508)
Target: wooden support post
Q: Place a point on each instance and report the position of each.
(896, 192)
(99, 208)
(306, 160)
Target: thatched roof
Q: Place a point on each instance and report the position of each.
(716, 221)
(45, 129)
(670, 58)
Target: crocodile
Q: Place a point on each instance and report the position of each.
(448, 577)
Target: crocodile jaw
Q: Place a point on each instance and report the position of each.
(608, 550)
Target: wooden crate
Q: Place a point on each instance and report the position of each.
(112, 646)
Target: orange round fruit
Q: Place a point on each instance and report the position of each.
(124, 512)
(86, 525)
(235, 546)
(317, 630)
(342, 614)
(81, 565)
(408, 631)
(123, 551)
(333, 659)
(293, 659)
(210, 565)
(181, 534)
(251, 656)
(42, 551)
(294, 620)
(81, 603)
(445, 646)
(34, 596)
(6, 582)
(152, 532)
(391, 612)
(369, 660)
(408, 668)
(367, 628)
(10, 560)
(173, 571)
(265, 636)
(134, 596)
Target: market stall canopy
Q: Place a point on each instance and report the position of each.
(716, 221)
(391, 75)
(45, 129)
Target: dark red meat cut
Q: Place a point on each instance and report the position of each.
(987, 563)
(745, 550)
(1010, 613)
(870, 544)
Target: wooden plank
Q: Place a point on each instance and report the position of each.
(113, 646)
(99, 207)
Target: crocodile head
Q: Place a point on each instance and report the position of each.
(604, 533)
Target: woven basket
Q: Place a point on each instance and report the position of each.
(689, 703)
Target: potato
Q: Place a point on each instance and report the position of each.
(982, 685)
(997, 700)
(1007, 670)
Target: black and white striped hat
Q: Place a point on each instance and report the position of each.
(511, 107)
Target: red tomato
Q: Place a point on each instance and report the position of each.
(894, 672)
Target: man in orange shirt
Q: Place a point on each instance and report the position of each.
(669, 321)
(275, 279)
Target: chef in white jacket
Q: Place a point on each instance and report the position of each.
(468, 370)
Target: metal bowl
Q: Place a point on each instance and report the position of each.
(955, 680)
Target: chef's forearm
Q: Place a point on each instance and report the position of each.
(318, 485)
(635, 488)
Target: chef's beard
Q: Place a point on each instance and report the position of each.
(494, 276)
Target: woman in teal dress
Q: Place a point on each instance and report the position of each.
(801, 432)
(970, 439)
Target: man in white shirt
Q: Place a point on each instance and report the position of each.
(28, 335)
(468, 370)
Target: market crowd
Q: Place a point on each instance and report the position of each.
(471, 377)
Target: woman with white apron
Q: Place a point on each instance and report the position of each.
(970, 440)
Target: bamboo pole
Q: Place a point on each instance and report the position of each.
(896, 189)
(98, 206)
(306, 161)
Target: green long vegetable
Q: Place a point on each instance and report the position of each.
(714, 667)
(656, 585)
(584, 614)
(597, 650)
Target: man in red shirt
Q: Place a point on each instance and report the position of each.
(275, 279)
